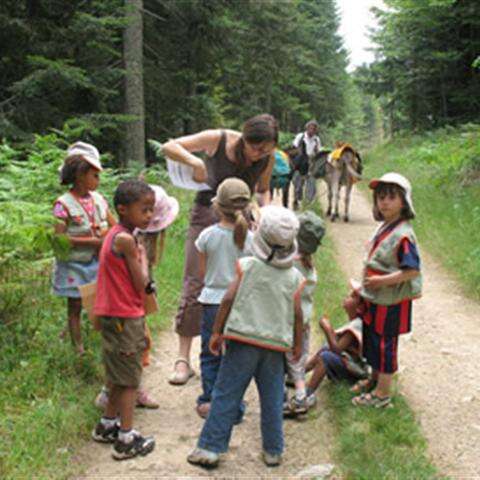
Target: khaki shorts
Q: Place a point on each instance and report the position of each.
(123, 345)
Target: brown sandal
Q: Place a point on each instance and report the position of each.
(363, 386)
(177, 378)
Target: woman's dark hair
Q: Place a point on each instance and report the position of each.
(258, 129)
(72, 168)
(131, 191)
(383, 189)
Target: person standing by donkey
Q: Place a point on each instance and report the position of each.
(391, 280)
(247, 155)
(308, 144)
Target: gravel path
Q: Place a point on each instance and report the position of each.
(439, 360)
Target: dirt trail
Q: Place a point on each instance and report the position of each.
(176, 427)
(439, 360)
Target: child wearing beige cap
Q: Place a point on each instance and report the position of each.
(219, 247)
(83, 216)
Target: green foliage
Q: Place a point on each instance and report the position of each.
(444, 168)
(46, 399)
(207, 63)
(425, 71)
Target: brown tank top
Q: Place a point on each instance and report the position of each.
(219, 167)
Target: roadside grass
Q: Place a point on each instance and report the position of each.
(369, 443)
(46, 399)
(444, 169)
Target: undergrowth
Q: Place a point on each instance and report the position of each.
(46, 399)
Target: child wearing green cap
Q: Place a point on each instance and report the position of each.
(310, 234)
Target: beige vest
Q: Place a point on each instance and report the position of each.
(263, 310)
(82, 225)
(384, 260)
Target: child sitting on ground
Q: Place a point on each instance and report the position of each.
(342, 358)
(391, 280)
(84, 218)
(261, 318)
(220, 246)
(122, 284)
(310, 234)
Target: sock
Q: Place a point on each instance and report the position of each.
(108, 422)
(126, 436)
(300, 393)
(310, 391)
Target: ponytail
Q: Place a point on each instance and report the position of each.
(240, 230)
(306, 260)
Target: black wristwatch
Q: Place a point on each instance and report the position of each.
(150, 287)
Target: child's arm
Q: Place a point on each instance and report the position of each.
(298, 326)
(202, 264)
(61, 229)
(111, 220)
(222, 315)
(375, 282)
(336, 346)
(136, 259)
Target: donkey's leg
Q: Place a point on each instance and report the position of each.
(336, 193)
(329, 188)
(348, 192)
(285, 192)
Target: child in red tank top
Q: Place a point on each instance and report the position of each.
(121, 286)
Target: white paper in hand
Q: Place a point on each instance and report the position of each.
(181, 176)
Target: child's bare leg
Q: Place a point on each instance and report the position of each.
(311, 363)
(318, 375)
(300, 389)
(113, 407)
(384, 385)
(74, 311)
(126, 404)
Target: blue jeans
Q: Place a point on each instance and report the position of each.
(209, 363)
(240, 364)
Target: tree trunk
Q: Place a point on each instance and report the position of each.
(134, 99)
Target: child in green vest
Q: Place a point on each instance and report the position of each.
(261, 318)
(391, 280)
(83, 216)
(310, 234)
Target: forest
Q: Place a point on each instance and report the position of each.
(118, 73)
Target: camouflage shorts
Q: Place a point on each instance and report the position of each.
(123, 345)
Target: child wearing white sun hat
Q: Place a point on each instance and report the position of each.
(260, 317)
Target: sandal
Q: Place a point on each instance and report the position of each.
(178, 378)
(371, 400)
(144, 400)
(363, 386)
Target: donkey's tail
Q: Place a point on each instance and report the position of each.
(353, 172)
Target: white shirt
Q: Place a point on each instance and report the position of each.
(313, 144)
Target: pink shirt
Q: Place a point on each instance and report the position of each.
(116, 294)
(59, 211)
